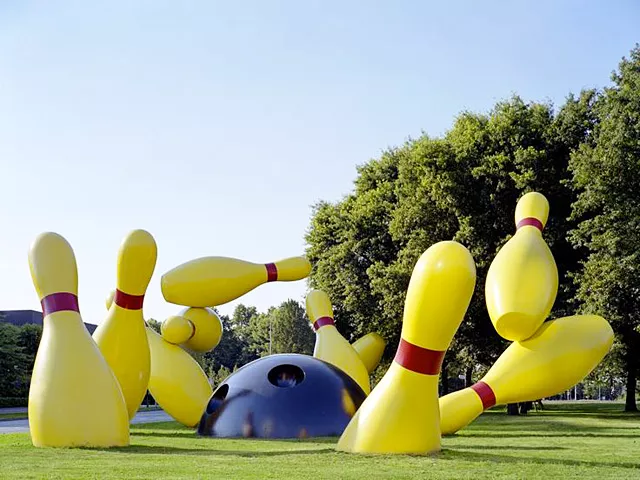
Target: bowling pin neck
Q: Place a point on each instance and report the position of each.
(419, 359)
(530, 222)
(127, 301)
(59, 302)
(322, 322)
(272, 272)
(485, 393)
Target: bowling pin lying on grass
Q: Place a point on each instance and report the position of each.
(121, 337)
(74, 398)
(177, 381)
(370, 349)
(401, 414)
(560, 354)
(213, 281)
(198, 329)
(522, 280)
(330, 346)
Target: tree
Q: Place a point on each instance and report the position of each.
(606, 176)
(291, 331)
(13, 363)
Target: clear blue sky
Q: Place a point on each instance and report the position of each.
(217, 125)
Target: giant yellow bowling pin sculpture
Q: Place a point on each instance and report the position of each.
(177, 382)
(401, 415)
(522, 280)
(121, 336)
(214, 281)
(198, 329)
(330, 346)
(560, 354)
(370, 349)
(74, 397)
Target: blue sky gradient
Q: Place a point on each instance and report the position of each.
(217, 125)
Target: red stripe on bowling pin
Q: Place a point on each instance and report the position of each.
(530, 221)
(128, 302)
(58, 302)
(419, 359)
(321, 322)
(272, 272)
(485, 393)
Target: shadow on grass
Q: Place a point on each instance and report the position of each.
(161, 450)
(503, 434)
(452, 454)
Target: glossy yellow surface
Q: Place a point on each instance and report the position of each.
(370, 349)
(208, 329)
(522, 280)
(177, 382)
(401, 415)
(177, 329)
(214, 281)
(121, 337)
(560, 354)
(74, 397)
(332, 347)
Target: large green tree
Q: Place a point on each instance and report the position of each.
(606, 175)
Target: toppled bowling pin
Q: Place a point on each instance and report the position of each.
(214, 281)
(401, 414)
(522, 280)
(121, 337)
(198, 329)
(330, 345)
(74, 397)
(560, 354)
(370, 349)
(177, 382)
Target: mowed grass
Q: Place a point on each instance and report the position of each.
(566, 440)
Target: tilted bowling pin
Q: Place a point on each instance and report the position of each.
(198, 329)
(121, 337)
(370, 349)
(401, 414)
(177, 382)
(330, 346)
(74, 397)
(522, 280)
(560, 354)
(214, 281)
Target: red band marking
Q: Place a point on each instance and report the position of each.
(129, 302)
(530, 221)
(58, 302)
(485, 393)
(419, 359)
(321, 322)
(272, 272)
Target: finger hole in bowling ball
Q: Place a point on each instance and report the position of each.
(217, 398)
(286, 376)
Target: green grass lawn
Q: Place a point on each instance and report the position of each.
(566, 440)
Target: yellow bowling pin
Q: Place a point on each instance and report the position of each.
(74, 397)
(370, 349)
(198, 329)
(401, 414)
(330, 346)
(560, 354)
(121, 336)
(177, 382)
(213, 281)
(522, 280)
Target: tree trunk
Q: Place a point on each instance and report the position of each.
(512, 409)
(630, 403)
(468, 381)
(444, 378)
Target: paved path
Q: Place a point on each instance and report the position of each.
(22, 425)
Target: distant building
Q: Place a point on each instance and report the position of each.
(25, 317)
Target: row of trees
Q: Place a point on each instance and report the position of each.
(18, 348)
(584, 157)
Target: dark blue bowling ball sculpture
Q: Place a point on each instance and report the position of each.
(282, 396)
